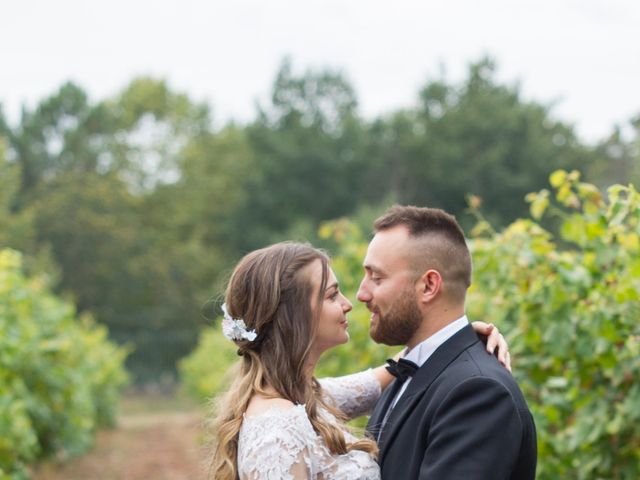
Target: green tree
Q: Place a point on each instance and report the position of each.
(15, 228)
(89, 174)
(476, 138)
(618, 158)
(306, 147)
(204, 206)
(64, 133)
(153, 125)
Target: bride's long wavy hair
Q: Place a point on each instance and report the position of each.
(272, 292)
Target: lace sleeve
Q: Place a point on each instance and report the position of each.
(280, 444)
(277, 445)
(354, 394)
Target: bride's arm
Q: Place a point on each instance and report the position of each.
(353, 394)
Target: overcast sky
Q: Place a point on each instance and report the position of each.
(581, 55)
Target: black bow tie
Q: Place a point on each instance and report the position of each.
(402, 369)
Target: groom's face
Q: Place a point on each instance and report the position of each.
(389, 288)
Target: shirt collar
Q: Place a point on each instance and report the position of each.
(421, 352)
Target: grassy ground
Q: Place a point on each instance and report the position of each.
(158, 437)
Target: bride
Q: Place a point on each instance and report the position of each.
(283, 309)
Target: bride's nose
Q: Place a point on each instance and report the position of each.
(347, 306)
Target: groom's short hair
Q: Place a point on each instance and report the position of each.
(437, 241)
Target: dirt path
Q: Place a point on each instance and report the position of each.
(144, 446)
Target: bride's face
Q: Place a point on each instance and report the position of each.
(332, 322)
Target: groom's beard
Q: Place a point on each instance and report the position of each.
(400, 323)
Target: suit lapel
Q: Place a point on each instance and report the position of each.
(424, 377)
(373, 426)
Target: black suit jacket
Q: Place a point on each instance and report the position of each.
(462, 417)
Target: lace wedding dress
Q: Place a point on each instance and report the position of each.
(280, 444)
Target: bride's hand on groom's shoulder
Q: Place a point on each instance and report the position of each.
(496, 343)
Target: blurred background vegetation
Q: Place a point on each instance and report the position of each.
(568, 301)
(133, 210)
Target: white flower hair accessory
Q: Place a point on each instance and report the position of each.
(235, 328)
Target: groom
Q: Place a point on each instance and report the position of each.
(453, 412)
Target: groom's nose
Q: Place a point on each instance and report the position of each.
(363, 294)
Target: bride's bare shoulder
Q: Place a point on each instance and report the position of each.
(260, 404)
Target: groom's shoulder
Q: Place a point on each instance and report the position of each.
(476, 362)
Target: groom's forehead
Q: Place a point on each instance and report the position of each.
(386, 246)
(390, 240)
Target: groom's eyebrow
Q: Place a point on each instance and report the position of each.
(373, 269)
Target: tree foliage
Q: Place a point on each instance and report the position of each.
(478, 138)
(137, 206)
(89, 197)
(569, 303)
(306, 145)
(618, 159)
(204, 372)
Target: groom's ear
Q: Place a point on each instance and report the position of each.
(429, 285)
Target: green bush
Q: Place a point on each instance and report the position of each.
(569, 304)
(203, 372)
(60, 377)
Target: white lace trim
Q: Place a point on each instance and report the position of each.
(280, 444)
(354, 394)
